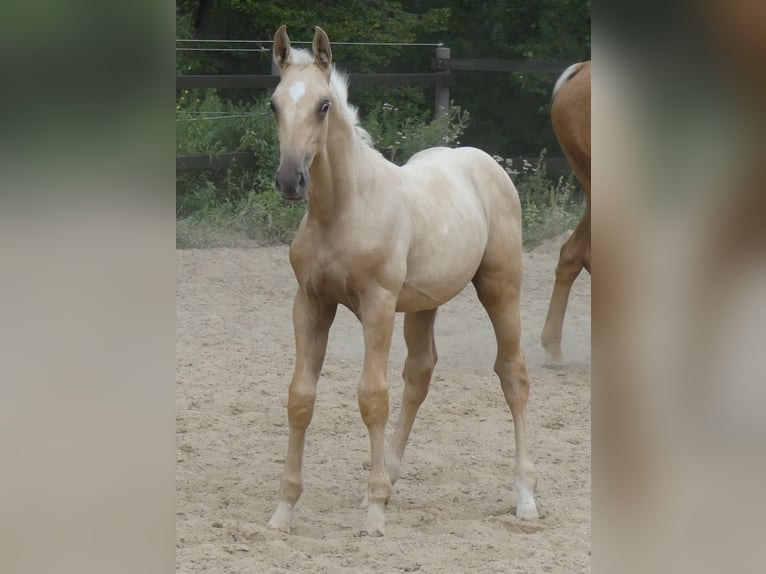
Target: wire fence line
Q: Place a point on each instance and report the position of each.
(222, 50)
(220, 117)
(218, 41)
(221, 112)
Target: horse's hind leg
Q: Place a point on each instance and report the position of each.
(575, 254)
(418, 368)
(499, 290)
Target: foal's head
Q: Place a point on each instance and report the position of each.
(301, 103)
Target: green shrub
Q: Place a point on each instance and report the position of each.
(208, 125)
(549, 206)
(399, 134)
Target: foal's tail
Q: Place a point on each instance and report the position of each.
(565, 76)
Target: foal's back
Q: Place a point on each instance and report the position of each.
(462, 175)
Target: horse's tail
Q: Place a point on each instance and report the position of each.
(565, 76)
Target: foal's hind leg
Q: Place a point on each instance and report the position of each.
(499, 290)
(418, 368)
(575, 254)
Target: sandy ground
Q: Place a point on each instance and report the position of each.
(452, 509)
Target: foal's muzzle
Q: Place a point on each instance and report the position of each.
(291, 182)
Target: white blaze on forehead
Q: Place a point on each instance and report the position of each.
(297, 90)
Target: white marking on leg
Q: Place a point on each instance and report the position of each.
(282, 517)
(526, 509)
(297, 90)
(376, 521)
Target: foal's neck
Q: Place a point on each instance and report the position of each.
(337, 173)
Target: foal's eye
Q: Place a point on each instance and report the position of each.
(324, 107)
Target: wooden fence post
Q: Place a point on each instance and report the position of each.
(274, 67)
(441, 97)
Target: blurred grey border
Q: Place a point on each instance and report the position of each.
(678, 311)
(87, 265)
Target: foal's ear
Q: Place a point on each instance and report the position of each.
(282, 47)
(321, 47)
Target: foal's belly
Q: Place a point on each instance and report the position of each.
(412, 299)
(440, 267)
(446, 249)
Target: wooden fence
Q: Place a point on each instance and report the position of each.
(555, 165)
(441, 79)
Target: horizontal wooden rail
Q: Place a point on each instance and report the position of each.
(553, 164)
(442, 79)
(205, 81)
(490, 65)
(429, 79)
(205, 161)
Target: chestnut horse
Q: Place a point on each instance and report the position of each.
(380, 239)
(570, 116)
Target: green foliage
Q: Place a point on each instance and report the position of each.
(398, 135)
(350, 21)
(550, 206)
(207, 124)
(510, 112)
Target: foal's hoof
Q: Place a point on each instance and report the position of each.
(281, 527)
(553, 354)
(376, 522)
(527, 512)
(526, 509)
(282, 518)
(554, 365)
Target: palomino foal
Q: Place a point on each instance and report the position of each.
(570, 116)
(381, 239)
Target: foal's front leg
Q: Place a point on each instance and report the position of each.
(377, 315)
(311, 322)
